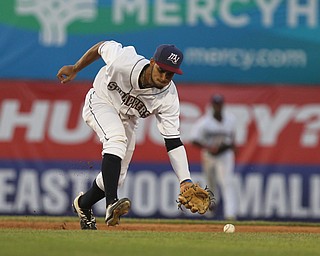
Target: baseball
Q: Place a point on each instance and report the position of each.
(229, 228)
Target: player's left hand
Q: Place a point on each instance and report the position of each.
(194, 197)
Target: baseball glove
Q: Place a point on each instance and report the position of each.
(195, 198)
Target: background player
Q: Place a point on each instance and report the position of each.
(127, 88)
(214, 133)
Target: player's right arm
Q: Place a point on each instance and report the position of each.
(69, 72)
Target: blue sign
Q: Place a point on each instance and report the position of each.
(265, 192)
(223, 41)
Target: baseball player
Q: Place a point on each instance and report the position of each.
(127, 88)
(214, 133)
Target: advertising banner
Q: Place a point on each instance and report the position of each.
(274, 125)
(48, 154)
(256, 41)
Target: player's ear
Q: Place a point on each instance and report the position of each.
(152, 61)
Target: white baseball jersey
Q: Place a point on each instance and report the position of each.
(210, 132)
(118, 83)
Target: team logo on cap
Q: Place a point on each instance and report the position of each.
(173, 58)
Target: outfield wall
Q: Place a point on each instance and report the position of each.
(48, 154)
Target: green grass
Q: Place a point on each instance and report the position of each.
(29, 242)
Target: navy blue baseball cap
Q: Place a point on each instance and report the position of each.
(169, 58)
(217, 99)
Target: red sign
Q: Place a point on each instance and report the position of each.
(275, 124)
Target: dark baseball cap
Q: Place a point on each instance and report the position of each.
(217, 99)
(169, 58)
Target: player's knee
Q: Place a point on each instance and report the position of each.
(116, 145)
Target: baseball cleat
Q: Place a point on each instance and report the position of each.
(116, 210)
(87, 220)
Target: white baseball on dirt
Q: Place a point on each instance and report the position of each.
(229, 228)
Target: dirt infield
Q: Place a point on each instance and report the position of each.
(158, 227)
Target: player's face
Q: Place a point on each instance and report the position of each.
(160, 77)
(217, 107)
